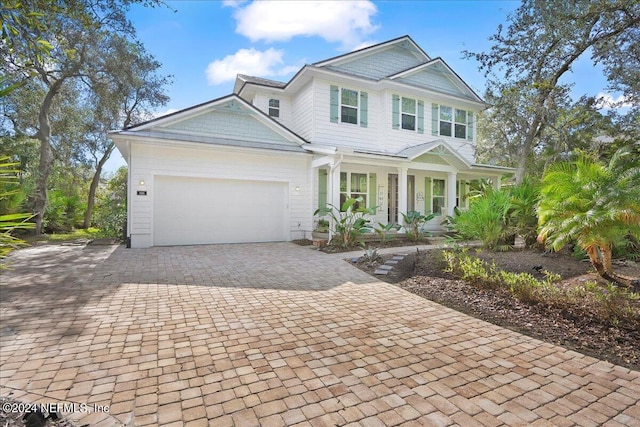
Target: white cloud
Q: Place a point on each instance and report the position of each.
(607, 101)
(345, 22)
(248, 61)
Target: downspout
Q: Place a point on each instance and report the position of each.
(129, 198)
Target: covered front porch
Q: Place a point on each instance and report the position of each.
(429, 178)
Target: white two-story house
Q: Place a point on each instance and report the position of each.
(386, 123)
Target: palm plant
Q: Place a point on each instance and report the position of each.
(10, 221)
(593, 205)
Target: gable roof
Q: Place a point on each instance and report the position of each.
(439, 147)
(441, 66)
(230, 103)
(371, 49)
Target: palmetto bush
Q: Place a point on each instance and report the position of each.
(10, 221)
(594, 205)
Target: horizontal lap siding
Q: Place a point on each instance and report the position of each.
(210, 162)
(302, 105)
(261, 102)
(346, 134)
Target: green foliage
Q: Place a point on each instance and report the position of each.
(486, 220)
(383, 230)
(348, 222)
(414, 221)
(594, 205)
(496, 216)
(371, 256)
(111, 207)
(10, 221)
(610, 304)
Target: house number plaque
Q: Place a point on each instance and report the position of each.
(141, 192)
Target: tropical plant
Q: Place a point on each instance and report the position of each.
(383, 230)
(523, 218)
(10, 221)
(592, 204)
(486, 219)
(414, 221)
(348, 222)
(111, 205)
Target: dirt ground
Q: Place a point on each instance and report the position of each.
(422, 273)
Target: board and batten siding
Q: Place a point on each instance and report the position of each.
(216, 162)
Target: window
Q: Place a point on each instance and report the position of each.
(438, 196)
(461, 124)
(449, 121)
(274, 108)
(353, 185)
(408, 114)
(349, 106)
(445, 121)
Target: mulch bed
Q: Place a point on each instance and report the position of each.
(422, 274)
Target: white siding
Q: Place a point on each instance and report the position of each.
(346, 134)
(261, 102)
(215, 162)
(381, 64)
(302, 105)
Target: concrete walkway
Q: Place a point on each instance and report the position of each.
(275, 334)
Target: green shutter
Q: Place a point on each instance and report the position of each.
(372, 190)
(463, 194)
(395, 112)
(322, 192)
(470, 125)
(427, 196)
(434, 119)
(363, 109)
(335, 97)
(420, 117)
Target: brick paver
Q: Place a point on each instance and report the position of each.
(275, 334)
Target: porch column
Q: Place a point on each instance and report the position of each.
(402, 195)
(451, 192)
(333, 190)
(496, 182)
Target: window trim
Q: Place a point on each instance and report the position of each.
(349, 193)
(356, 107)
(443, 197)
(453, 123)
(275, 109)
(414, 114)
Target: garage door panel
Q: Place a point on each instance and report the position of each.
(200, 211)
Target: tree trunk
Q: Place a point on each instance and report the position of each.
(46, 155)
(94, 186)
(600, 258)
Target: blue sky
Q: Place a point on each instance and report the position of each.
(204, 44)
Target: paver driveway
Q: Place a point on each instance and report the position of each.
(276, 334)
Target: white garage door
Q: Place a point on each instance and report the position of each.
(191, 211)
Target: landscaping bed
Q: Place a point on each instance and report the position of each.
(578, 325)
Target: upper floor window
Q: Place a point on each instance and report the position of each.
(407, 113)
(449, 121)
(274, 108)
(348, 106)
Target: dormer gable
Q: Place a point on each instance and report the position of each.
(436, 75)
(380, 60)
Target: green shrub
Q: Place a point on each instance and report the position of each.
(414, 221)
(610, 304)
(348, 222)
